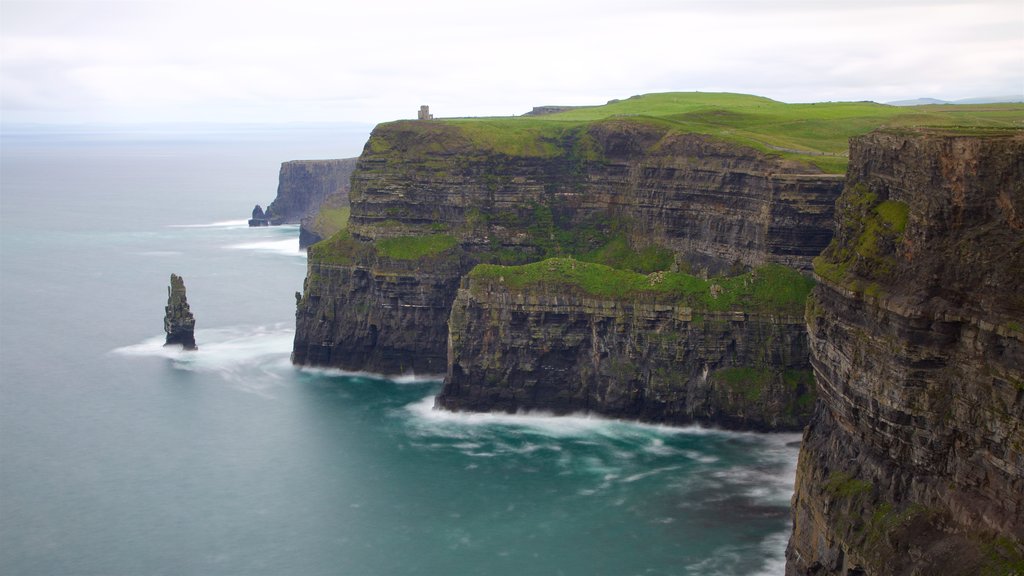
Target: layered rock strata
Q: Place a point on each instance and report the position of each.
(378, 314)
(718, 205)
(714, 206)
(179, 323)
(303, 185)
(913, 462)
(643, 357)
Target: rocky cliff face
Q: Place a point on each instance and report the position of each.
(179, 323)
(712, 206)
(644, 357)
(375, 313)
(715, 204)
(304, 184)
(913, 462)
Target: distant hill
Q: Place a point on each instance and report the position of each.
(980, 100)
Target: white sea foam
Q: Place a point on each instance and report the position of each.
(568, 426)
(649, 473)
(724, 561)
(774, 549)
(289, 247)
(231, 352)
(409, 378)
(581, 425)
(221, 224)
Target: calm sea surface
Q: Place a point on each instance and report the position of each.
(120, 457)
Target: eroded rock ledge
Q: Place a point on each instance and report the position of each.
(643, 355)
(913, 462)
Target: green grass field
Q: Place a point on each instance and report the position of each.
(772, 288)
(814, 133)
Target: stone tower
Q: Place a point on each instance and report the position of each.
(424, 113)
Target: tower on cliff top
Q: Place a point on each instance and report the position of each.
(424, 113)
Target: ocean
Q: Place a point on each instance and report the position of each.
(121, 457)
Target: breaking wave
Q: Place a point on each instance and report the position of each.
(221, 224)
(251, 356)
(288, 247)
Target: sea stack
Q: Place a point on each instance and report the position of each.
(259, 218)
(178, 320)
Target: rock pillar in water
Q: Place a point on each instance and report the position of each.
(259, 218)
(179, 324)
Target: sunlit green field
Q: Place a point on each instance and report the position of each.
(815, 133)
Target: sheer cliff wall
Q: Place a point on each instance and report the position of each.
(913, 462)
(642, 356)
(303, 185)
(470, 196)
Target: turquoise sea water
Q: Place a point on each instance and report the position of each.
(118, 456)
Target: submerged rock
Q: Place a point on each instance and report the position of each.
(179, 324)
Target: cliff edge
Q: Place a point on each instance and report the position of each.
(913, 462)
(303, 187)
(430, 200)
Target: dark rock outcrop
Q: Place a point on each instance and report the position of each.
(303, 185)
(715, 206)
(556, 349)
(179, 324)
(258, 217)
(913, 462)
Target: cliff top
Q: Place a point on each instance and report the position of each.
(815, 133)
(933, 217)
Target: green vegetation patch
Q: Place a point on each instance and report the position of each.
(843, 485)
(415, 247)
(617, 253)
(330, 221)
(771, 288)
(893, 215)
(748, 382)
(1002, 557)
(816, 134)
(341, 249)
(863, 251)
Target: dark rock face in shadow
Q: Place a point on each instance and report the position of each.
(913, 462)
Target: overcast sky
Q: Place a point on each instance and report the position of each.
(376, 60)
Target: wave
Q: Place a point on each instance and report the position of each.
(774, 549)
(582, 423)
(410, 378)
(221, 224)
(288, 247)
(727, 560)
(233, 353)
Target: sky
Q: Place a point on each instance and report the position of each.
(256, 61)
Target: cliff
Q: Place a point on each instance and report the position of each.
(913, 462)
(179, 323)
(618, 192)
(541, 192)
(664, 347)
(303, 185)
